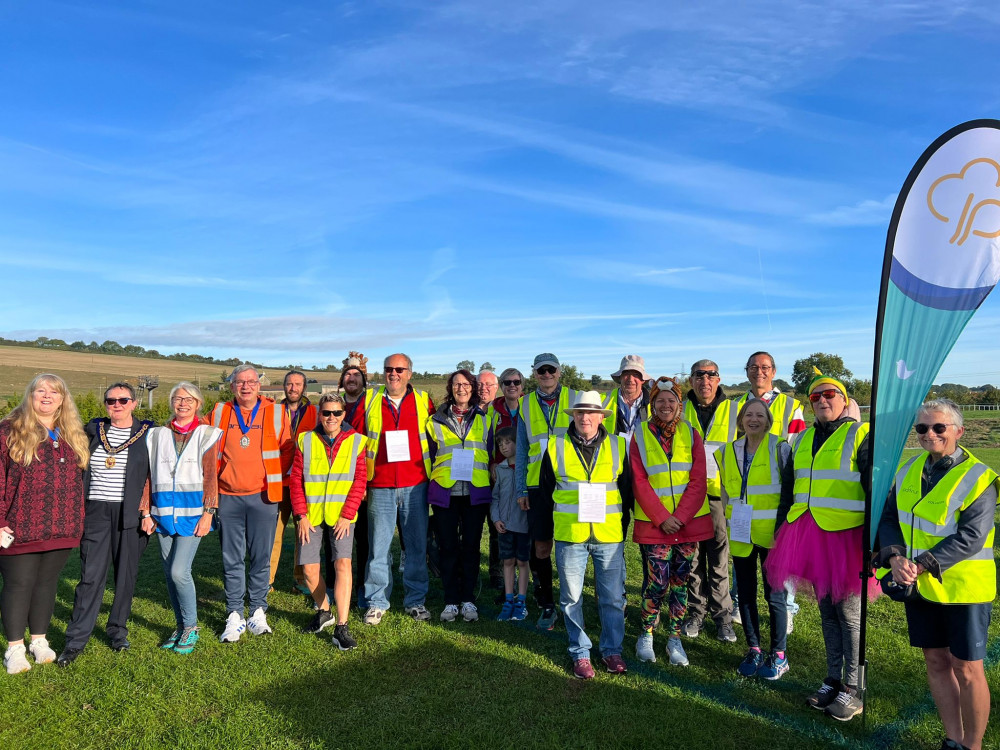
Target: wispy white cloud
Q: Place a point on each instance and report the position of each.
(865, 213)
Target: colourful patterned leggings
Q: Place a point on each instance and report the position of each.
(665, 571)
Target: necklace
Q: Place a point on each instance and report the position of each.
(112, 452)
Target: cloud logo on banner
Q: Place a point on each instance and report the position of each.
(973, 196)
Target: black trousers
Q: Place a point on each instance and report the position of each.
(28, 597)
(105, 544)
(460, 531)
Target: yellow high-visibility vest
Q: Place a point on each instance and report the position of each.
(763, 490)
(668, 475)
(540, 430)
(721, 430)
(828, 484)
(610, 401)
(926, 520)
(570, 474)
(448, 442)
(326, 485)
(373, 424)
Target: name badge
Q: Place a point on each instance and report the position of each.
(397, 445)
(462, 461)
(711, 468)
(593, 503)
(739, 523)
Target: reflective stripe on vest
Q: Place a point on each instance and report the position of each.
(668, 475)
(926, 520)
(570, 474)
(828, 484)
(373, 423)
(177, 482)
(721, 430)
(327, 485)
(763, 491)
(270, 446)
(539, 430)
(448, 442)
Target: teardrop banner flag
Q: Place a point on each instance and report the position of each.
(942, 259)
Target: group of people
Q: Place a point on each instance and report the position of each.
(704, 481)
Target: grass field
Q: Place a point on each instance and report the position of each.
(430, 685)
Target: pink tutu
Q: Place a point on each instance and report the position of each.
(828, 561)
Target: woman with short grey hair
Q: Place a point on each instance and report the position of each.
(183, 452)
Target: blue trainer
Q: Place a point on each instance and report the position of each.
(520, 608)
(507, 609)
(753, 661)
(774, 667)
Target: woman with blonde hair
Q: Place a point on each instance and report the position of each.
(183, 452)
(43, 453)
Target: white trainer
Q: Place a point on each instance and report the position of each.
(14, 659)
(675, 650)
(644, 648)
(235, 625)
(258, 622)
(40, 651)
(449, 613)
(469, 612)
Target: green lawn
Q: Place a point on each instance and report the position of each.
(433, 685)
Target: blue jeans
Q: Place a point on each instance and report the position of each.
(571, 562)
(246, 529)
(178, 557)
(383, 505)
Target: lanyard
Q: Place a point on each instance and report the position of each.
(593, 460)
(396, 413)
(244, 427)
(550, 418)
(747, 460)
(294, 417)
(54, 436)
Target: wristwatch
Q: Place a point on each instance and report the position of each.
(211, 511)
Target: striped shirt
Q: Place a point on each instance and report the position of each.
(108, 485)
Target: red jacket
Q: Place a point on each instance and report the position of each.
(354, 496)
(400, 473)
(308, 416)
(693, 529)
(501, 420)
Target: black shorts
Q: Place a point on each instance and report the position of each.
(961, 628)
(540, 526)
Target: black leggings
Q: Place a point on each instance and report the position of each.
(460, 530)
(29, 591)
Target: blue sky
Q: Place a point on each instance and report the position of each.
(288, 181)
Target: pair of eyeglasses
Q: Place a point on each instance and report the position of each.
(462, 387)
(246, 383)
(705, 374)
(122, 401)
(828, 395)
(546, 370)
(397, 370)
(332, 412)
(759, 368)
(939, 428)
(184, 399)
(512, 382)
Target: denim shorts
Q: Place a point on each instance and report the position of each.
(514, 544)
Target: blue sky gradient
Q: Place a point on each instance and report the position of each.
(285, 182)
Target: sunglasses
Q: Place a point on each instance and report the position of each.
(828, 395)
(705, 374)
(122, 401)
(939, 428)
(546, 370)
(332, 412)
(512, 382)
(397, 370)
